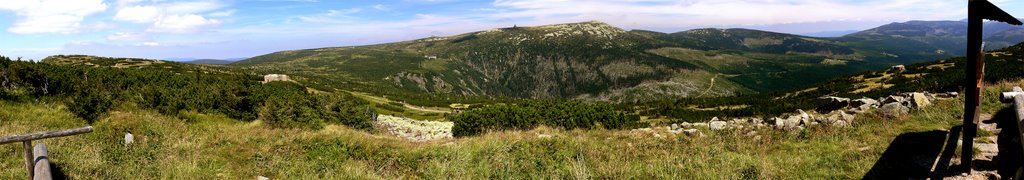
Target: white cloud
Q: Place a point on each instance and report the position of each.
(50, 16)
(172, 17)
(222, 13)
(150, 44)
(128, 36)
(138, 14)
(182, 23)
(661, 13)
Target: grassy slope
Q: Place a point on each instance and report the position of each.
(198, 146)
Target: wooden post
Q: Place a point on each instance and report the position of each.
(41, 159)
(29, 163)
(974, 25)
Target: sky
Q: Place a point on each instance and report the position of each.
(170, 29)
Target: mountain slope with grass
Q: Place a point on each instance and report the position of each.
(588, 60)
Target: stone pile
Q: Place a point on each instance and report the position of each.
(831, 111)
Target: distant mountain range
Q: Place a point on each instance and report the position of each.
(594, 60)
(206, 61)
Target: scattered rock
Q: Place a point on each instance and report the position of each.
(919, 100)
(892, 99)
(543, 136)
(893, 109)
(705, 125)
(128, 139)
(717, 125)
(674, 126)
(840, 123)
(690, 132)
(262, 178)
(832, 103)
(864, 104)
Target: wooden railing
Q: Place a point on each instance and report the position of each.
(32, 162)
(1017, 98)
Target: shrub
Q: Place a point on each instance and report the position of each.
(528, 115)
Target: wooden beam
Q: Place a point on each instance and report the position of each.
(42, 163)
(44, 135)
(27, 145)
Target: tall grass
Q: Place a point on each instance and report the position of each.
(210, 146)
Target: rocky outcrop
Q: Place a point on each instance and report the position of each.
(843, 114)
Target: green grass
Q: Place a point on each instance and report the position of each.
(204, 146)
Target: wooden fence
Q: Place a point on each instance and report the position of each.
(37, 161)
(1017, 98)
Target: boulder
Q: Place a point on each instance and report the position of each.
(685, 125)
(674, 126)
(804, 117)
(919, 100)
(756, 121)
(832, 103)
(717, 125)
(846, 117)
(793, 121)
(690, 132)
(892, 99)
(893, 109)
(840, 123)
(700, 125)
(779, 123)
(864, 103)
(129, 139)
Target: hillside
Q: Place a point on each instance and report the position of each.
(919, 41)
(210, 61)
(555, 61)
(589, 60)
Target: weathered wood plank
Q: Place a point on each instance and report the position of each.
(27, 145)
(42, 163)
(44, 135)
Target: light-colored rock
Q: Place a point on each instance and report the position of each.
(756, 121)
(717, 125)
(893, 109)
(864, 103)
(847, 117)
(685, 124)
(690, 132)
(892, 99)
(704, 125)
(919, 100)
(129, 139)
(840, 123)
(674, 126)
(262, 178)
(779, 122)
(793, 121)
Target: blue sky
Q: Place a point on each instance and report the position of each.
(161, 29)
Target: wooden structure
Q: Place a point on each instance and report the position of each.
(977, 12)
(31, 163)
(1017, 98)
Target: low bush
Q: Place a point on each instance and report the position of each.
(530, 114)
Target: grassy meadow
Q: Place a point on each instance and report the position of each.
(211, 146)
